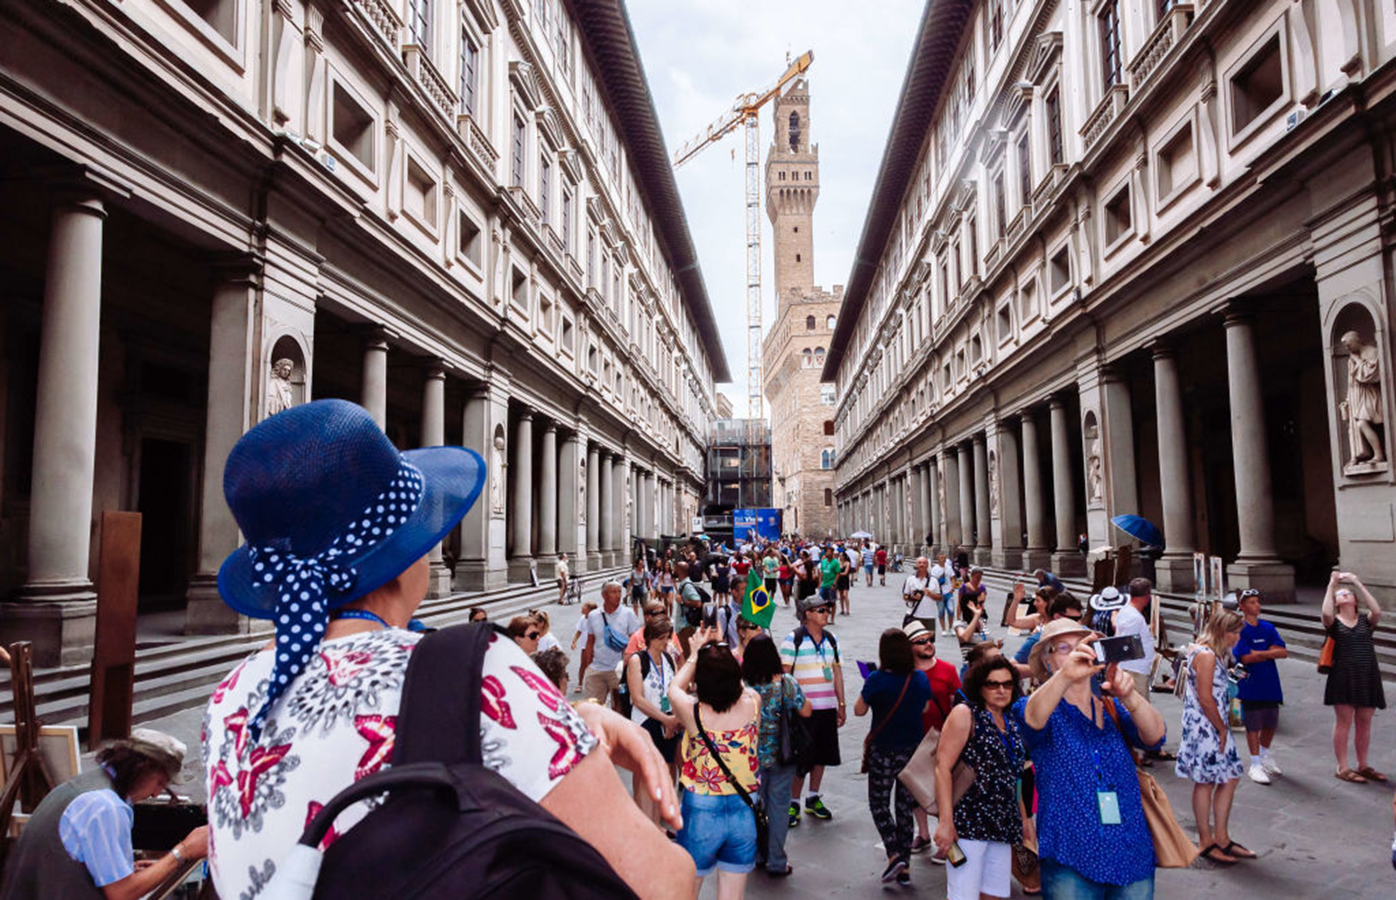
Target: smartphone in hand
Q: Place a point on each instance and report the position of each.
(1121, 648)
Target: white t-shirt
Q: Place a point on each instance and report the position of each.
(547, 642)
(1130, 621)
(914, 584)
(623, 622)
(335, 724)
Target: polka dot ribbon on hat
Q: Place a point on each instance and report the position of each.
(304, 585)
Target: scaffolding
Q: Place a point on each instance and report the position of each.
(739, 466)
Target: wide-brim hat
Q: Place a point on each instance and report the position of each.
(324, 475)
(1050, 632)
(1107, 600)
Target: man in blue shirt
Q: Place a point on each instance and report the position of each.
(1257, 649)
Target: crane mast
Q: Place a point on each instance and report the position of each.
(745, 114)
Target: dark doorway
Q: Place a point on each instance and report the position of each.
(166, 522)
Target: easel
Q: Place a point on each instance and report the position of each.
(27, 780)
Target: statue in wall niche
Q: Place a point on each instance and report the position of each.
(993, 486)
(279, 393)
(1095, 473)
(940, 489)
(497, 474)
(1361, 407)
(582, 492)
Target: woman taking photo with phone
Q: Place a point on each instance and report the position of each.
(1093, 840)
(1354, 686)
(990, 818)
(1206, 752)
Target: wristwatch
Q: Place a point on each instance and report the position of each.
(179, 856)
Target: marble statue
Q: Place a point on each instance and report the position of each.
(993, 486)
(497, 474)
(582, 492)
(279, 394)
(1361, 407)
(1095, 473)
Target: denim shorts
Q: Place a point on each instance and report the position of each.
(945, 607)
(719, 831)
(1061, 882)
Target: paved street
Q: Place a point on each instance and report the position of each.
(1316, 836)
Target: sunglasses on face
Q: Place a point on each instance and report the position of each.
(921, 642)
(998, 685)
(743, 626)
(821, 610)
(533, 635)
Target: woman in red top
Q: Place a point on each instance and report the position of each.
(785, 577)
(741, 564)
(880, 557)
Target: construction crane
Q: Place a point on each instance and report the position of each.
(745, 113)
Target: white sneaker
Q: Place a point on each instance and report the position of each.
(1271, 767)
(1257, 774)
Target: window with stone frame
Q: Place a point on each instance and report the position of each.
(545, 182)
(1117, 215)
(469, 73)
(1111, 51)
(1024, 168)
(995, 24)
(352, 126)
(566, 223)
(1055, 150)
(518, 142)
(1000, 206)
(419, 24)
(973, 230)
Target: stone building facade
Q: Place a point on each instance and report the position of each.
(457, 214)
(1132, 258)
(793, 351)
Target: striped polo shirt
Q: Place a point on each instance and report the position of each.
(807, 667)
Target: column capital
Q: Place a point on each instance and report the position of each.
(1163, 348)
(526, 415)
(1055, 402)
(550, 427)
(237, 268)
(434, 369)
(375, 337)
(1112, 374)
(1238, 313)
(77, 184)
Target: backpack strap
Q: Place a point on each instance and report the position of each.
(439, 717)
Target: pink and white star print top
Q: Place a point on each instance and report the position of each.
(335, 724)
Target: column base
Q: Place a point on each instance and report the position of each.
(476, 575)
(1006, 559)
(439, 582)
(1036, 559)
(1174, 573)
(1274, 579)
(206, 613)
(521, 570)
(594, 561)
(547, 569)
(1068, 564)
(983, 556)
(59, 620)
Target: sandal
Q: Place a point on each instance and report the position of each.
(1371, 774)
(1221, 859)
(1349, 775)
(1238, 851)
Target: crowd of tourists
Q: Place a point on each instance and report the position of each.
(990, 767)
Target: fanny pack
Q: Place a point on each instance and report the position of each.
(613, 639)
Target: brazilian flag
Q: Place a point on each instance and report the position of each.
(756, 603)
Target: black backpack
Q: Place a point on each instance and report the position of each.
(451, 827)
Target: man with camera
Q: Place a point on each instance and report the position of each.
(919, 588)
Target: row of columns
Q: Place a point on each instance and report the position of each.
(959, 506)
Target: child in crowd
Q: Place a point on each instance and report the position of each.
(587, 609)
(1257, 649)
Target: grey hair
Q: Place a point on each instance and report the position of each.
(611, 583)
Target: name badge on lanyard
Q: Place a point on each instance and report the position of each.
(1107, 799)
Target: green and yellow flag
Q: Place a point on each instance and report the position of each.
(756, 603)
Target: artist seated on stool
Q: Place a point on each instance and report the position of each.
(78, 842)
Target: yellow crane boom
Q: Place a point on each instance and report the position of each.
(745, 112)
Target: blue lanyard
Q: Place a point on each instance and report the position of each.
(361, 614)
(660, 665)
(1095, 749)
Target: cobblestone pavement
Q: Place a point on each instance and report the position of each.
(1317, 837)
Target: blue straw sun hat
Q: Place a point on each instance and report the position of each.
(332, 511)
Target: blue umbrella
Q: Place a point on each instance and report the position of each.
(1139, 528)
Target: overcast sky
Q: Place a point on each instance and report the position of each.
(700, 54)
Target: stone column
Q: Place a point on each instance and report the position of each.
(930, 504)
(1008, 550)
(1122, 489)
(1174, 570)
(547, 504)
(233, 361)
(1037, 555)
(1258, 565)
(918, 512)
(968, 524)
(1068, 559)
(954, 527)
(593, 507)
(521, 507)
(620, 466)
(606, 503)
(434, 435)
(57, 605)
(984, 543)
(374, 394)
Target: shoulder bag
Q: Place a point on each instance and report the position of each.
(763, 821)
(919, 773)
(1325, 656)
(1173, 848)
(792, 731)
(872, 735)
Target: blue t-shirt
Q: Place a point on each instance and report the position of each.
(1073, 760)
(1263, 682)
(1024, 651)
(903, 730)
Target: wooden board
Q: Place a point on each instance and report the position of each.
(114, 656)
